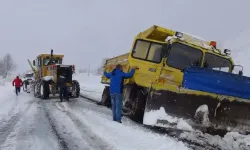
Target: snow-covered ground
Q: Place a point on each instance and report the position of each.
(28, 123)
(92, 88)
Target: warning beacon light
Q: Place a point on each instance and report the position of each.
(213, 44)
(179, 35)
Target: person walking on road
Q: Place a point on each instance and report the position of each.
(62, 83)
(117, 77)
(17, 82)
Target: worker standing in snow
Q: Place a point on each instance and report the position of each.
(17, 82)
(62, 83)
(117, 77)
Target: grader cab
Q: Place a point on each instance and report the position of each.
(48, 68)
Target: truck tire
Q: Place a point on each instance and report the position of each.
(44, 90)
(75, 89)
(138, 105)
(36, 89)
(106, 99)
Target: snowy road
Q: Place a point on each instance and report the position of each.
(28, 123)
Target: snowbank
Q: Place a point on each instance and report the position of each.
(151, 117)
(91, 86)
(6, 80)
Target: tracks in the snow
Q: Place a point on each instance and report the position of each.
(91, 138)
(62, 143)
(7, 127)
(176, 134)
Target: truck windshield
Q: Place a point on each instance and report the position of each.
(46, 61)
(182, 56)
(217, 63)
(29, 75)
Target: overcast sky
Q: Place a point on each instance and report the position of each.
(86, 31)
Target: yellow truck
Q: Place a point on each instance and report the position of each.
(181, 76)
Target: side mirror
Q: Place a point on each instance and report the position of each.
(241, 73)
(239, 68)
(34, 62)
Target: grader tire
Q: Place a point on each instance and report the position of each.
(44, 90)
(76, 86)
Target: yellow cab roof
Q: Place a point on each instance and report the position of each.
(48, 55)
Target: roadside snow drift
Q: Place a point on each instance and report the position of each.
(91, 86)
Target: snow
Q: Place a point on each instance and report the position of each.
(47, 78)
(126, 135)
(151, 117)
(93, 89)
(21, 125)
(205, 111)
(91, 86)
(193, 39)
(30, 123)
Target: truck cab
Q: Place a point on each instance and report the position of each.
(162, 55)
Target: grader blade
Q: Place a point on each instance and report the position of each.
(223, 97)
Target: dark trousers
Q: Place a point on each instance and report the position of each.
(64, 93)
(18, 90)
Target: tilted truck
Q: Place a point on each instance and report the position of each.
(181, 76)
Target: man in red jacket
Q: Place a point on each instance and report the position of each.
(18, 83)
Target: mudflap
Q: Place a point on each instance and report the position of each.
(163, 107)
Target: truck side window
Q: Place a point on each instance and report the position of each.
(155, 52)
(148, 51)
(182, 56)
(217, 63)
(141, 49)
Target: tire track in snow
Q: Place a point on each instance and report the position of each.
(62, 143)
(91, 138)
(6, 129)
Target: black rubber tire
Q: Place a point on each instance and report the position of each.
(106, 99)
(139, 104)
(77, 86)
(36, 88)
(46, 92)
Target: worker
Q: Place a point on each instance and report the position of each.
(62, 83)
(117, 77)
(17, 82)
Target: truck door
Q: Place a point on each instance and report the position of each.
(178, 58)
(147, 55)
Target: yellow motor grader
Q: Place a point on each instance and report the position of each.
(47, 69)
(181, 76)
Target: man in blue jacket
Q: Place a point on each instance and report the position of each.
(117, 77)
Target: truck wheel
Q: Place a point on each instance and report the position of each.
(44, 90)
(138, 104)
(201, 115)
(36, 89)
(75, 89)
(106, 99)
